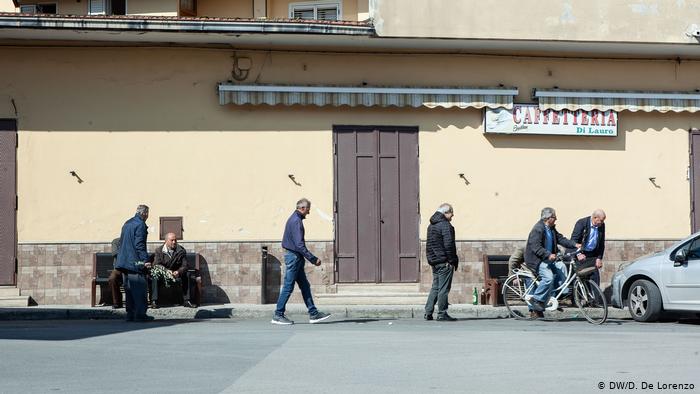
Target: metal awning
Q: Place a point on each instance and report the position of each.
(365, 96)
(645, 101)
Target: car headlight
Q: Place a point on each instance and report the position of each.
(624, 265)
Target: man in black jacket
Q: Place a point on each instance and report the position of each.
(590, 233)
(442, 256)
(540, 256)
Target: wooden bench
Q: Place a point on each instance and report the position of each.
(103, 264)
(496, 271)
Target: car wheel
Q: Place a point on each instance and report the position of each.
(644, 301)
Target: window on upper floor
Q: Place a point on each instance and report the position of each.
(44, 8)
(188, 7)
(315, 11)
(107, 7)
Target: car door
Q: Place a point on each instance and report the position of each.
(682, 281)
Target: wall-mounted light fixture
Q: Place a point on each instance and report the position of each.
(466, 181)
(653, 182)
(291, 176)
(73, 173)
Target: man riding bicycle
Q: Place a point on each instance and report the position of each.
(540, 257)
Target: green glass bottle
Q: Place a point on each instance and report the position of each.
(475, 297)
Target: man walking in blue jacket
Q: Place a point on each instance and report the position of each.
(132, 261)
(294, 258)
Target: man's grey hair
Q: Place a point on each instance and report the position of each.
(445, 208)
(547, 213)
(303, 203)
(142, 209)
(598, 213)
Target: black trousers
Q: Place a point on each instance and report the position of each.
(188, 284)
(442, 283)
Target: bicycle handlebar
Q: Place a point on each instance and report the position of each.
(568, 255)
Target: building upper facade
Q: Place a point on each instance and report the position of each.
(332, 10)
(667, 29)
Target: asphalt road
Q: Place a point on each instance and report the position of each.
(348, 356)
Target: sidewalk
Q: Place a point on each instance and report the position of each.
(256, 311)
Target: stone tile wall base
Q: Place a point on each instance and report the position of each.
(232, 271)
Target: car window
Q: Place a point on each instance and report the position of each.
(694, 249)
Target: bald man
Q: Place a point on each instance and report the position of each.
(172, 256)
(590, 233)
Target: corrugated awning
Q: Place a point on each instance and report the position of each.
(367, 96)
(645, 101)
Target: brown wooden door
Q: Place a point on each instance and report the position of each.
(695, 179)
(376, 204)
(8, 202)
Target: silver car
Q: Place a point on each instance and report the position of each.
(665, 281)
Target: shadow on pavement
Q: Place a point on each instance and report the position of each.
(68, 330)
(354, 321)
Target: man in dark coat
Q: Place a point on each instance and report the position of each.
(540, 256)
(173, 257)
(132, 260)
(590, 233)
(441, 251)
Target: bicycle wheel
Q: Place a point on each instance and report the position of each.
(590, 300)
(515, 288)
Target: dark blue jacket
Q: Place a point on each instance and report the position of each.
(293, 238)
(133, 245)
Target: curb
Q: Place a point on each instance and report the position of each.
(255, 311)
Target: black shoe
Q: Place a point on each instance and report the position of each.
(318, 317)
(537, 305)
(536, 315)
(446, 317)
(153, 305)
(145, 319)
(282, 320)
(428, 317)
(188, 304)
(117, 307)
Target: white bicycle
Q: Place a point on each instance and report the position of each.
(590, 300)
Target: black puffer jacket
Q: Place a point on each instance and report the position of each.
(441, 246)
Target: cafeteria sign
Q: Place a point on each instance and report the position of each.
(530, 119)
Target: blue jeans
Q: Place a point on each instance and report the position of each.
(136, 293)
(295, 273)
(551, 276)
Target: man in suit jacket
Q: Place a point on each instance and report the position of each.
(540, 256)
(132, 260)
(590, 233)
(172, 256)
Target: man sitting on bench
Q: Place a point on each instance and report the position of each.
(173, 257)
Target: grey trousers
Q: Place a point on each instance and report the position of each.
(136, 293)
(442, 283)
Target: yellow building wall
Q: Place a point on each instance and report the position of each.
(280, 8)
(145, 126)
(225, 8)
(640, 21)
